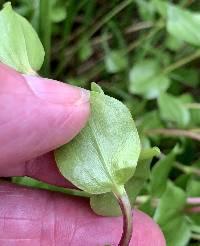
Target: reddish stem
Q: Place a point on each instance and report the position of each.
(125, 206)
(193, 210)
(193, 200)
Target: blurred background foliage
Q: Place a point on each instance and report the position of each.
(146, 53)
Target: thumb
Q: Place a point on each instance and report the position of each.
(36, 116)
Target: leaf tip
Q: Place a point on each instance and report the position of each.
(7, 5)
(96, 88)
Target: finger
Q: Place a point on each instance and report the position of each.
(44, 169)
(37, 115)
(33, 217)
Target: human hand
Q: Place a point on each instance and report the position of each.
(36, 116)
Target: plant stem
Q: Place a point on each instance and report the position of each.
(33, 183)
(125, 206)
(193, 200)
(45, 33)
(190, 200)
(195, 236)
(174, 133)
(182, 62)
(192, 105)
(122, 5)
(187, 169)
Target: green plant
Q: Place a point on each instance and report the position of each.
(103, 157)
(146, 54)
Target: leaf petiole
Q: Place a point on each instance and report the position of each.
(125, 206)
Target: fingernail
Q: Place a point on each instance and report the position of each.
(57, 92)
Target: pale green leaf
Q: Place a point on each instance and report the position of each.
(173, 110)
(184, 25)
(115, 61)
(20, 46)
(147, 80)
(104, 155)
(95, 87)
(59, 12)
(85, 49)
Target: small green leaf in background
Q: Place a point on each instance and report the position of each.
(174, 43)
(147, 80)
(173, 110)
(146, 9)
(150, 120)
(99, 203)
(20, 46)
(184, 25)
(160, 173)
(115, 61)
(170, 216)
(161, 7)
(104, 155)
(187, 76)
(193, 190)
(59, 12)
(85, 50)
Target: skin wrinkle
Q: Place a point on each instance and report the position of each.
(9, 122)
(54, 224)
(62, 125)
(43, 217)
(64, 232)
(73, 234)
(20, 219)
(12, 77)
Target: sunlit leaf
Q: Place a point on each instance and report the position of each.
(104, 155)
(20, 46)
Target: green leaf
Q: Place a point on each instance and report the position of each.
(146, 10)
(104, 155)
(59, 12)
(150, 120)
(174, 43)
(161, 7)
(147, 80)
(184, 25)
(160, 172)
(95, 87)
(85, 50)
(187, 76)
(147, 208)
(193, 190)
(99, 203)
(170, 216)
(20, 46)
(172, 109)
(115, 62)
